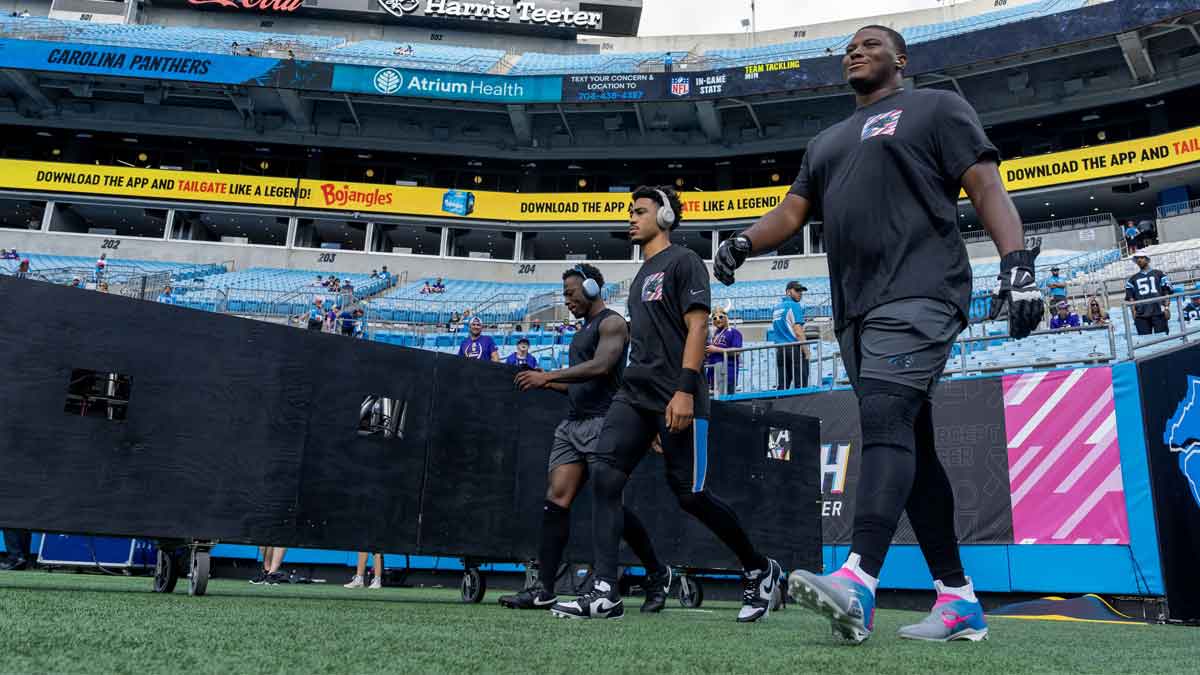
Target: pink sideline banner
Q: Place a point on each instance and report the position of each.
(1064, 462)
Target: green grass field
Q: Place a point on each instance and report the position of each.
(70, 623)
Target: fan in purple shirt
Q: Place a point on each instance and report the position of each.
(479, 346)
(724, 337)
(522, 358)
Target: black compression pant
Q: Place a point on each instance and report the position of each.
(901, 472)
(627, 436)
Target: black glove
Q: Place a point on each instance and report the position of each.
(730, 256)
(1019, 292)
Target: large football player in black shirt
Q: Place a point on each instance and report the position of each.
(665, 396)
(886, 182)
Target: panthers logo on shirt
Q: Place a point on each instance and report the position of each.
(652, 288)
(883, 124)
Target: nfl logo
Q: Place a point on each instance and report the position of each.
(680, 86)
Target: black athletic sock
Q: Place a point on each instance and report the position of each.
(888, 415)
(639, 542)
(931, 507)
(718, 517)
(556, 530)
(608, 484)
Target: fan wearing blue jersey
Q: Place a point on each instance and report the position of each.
(787, 328)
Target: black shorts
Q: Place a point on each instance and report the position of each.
(904, 341)
(348, 332)
(1146, 325)
(629, 432)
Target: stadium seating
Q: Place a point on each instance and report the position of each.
(269, 291)
(422, 56)
(1176, 256)
(58, 267)
(474, 60)
(493, 302)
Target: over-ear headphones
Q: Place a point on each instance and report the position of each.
(591, 289)
(666, 213)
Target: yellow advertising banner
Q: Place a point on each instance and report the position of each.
(1104, 161)
(123, 181)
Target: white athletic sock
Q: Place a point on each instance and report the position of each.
(965, 592)
(852, 565)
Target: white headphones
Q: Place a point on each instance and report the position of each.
(666, 214)
(591, 289)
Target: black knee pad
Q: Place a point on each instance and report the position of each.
(888, 413)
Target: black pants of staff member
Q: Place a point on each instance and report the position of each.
(17, 544)
(791, 367)
(1155, 323)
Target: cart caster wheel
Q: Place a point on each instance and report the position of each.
(474, 586)
(198, 579)
(691, 593)
(166, 574)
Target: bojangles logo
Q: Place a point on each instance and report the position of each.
(345, 195)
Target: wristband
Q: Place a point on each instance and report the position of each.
(690, 382)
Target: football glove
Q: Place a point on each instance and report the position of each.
(1018, 291)
(730, 256)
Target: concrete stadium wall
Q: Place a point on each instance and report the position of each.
(1179, 228)
(1101, 238)
(243, 256)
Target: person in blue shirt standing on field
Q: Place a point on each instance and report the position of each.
(522, 358)
(787, 327)
(165, 297)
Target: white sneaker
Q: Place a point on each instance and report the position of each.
(356, 582)
(376, 584)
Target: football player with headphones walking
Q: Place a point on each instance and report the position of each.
(664, 395)
(597, 361)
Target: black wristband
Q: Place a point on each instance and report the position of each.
(690, 381)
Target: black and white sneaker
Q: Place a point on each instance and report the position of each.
(760, 592)
(531, 597)
(602, 602)
(276, 578)
(658, 588)
(260, 578)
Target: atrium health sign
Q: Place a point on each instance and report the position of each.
(445, 85)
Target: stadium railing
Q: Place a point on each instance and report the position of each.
(1178, 209)
(1057, 225)
(1181, 331)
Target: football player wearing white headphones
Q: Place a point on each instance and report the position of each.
(664, 396)
(597, 362)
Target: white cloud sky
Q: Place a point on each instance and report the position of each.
(689, 17)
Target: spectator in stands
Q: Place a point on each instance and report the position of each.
(1131, 235)
(521, 358)
(101, 266)
(360, 572)
(1064, 317)
(316, 315)
(23, 269)
(76, 283)
(321, 282)
(1096, 316)
(438, 286)
(347, 322)
(787, 327)
(165, 297)
(103, 287)
(233, 48)
(1147, 284)
(331, 318)
(1191, 311)
(9, 255)
(426, 289)
(723, 338)
(387, 276)
(1057, 286)
(360, 323)
(477, 345)
(348, 287)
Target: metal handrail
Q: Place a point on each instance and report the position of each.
(1178, 209)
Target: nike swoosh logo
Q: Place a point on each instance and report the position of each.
(538, 603)
(697, 292)
(952, 620)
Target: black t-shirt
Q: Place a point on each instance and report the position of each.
(668, 285)
(886, 181)
(593, 398)
(1145, 285)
